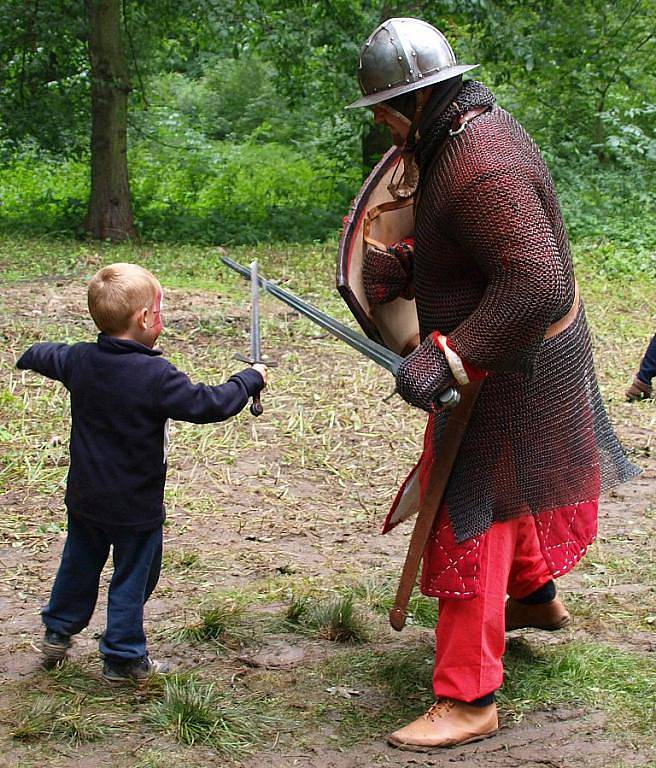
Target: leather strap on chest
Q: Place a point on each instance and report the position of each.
(458, 126)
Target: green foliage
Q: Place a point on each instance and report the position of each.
(44, 82)
(223, 623)
(379, 593)
(197, 713)
(337, 619)
(598, 675)
(64, 719)
(40, 192)
(217, 193)
(238, 131)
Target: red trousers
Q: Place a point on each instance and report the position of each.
(471, 633)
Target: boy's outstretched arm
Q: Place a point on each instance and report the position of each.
(47, 358)
(201, 403)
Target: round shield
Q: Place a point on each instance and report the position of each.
(378, 218)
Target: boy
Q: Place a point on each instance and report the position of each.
(641, 387)
(123, 394)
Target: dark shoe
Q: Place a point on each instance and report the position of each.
(54, 648)
(446, 724)
(638, 391)
(548, 616)
(134, 670)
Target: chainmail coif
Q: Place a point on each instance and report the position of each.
(492, 271)
(433, 127)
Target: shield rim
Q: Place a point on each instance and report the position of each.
(352, 224)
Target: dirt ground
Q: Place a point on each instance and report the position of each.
(299, 495)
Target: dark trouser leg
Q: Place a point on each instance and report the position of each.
(648, 365)
(137, 562)
(75, 591)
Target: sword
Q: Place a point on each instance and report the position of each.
(256, 342)
(365, 346)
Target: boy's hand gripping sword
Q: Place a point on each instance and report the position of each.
(367, 347)
(256, 342)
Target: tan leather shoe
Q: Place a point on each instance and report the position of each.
(548, 616)
(446, 724)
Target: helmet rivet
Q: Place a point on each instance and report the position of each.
(414, 53)
(420, 75)
(400, 58)
(412, 71)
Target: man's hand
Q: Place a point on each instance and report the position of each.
(263, 371)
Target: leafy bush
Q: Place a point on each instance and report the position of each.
(215, 193)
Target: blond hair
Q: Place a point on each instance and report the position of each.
(116, 292)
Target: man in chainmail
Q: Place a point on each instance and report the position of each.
(497, 302)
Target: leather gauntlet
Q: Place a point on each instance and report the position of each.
(388, 274)
(424, 375)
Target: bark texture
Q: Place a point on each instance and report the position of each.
(110, 209)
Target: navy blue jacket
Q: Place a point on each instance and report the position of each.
(122, 395)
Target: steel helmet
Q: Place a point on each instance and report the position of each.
(403, 55)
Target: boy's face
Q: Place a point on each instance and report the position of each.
(154, 320)
(147, 323)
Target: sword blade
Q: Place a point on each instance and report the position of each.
(256, 344)
(371, 349)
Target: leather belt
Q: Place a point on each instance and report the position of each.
(561, 325)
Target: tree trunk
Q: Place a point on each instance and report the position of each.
(110, 208)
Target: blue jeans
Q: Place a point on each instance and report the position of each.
(137, 557)
(648, 365)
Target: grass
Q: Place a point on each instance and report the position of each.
(259, 511)
(224, 622)
(379, 592)
(593, 674)
(181, 560)
(64, 719)
(193, 712)
(335, 618)
(397, 684)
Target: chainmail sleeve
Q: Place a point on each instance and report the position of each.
(424, 375)
(501, 222)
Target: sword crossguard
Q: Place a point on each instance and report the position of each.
(250, 361)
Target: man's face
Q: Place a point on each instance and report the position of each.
(395, 121)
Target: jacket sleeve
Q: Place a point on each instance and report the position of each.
(49, 359)
(501, 221)
(201, 403)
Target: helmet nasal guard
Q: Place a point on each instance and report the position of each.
(403, 55)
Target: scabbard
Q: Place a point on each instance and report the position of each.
(454, 431)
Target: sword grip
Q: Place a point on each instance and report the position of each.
(256, 406)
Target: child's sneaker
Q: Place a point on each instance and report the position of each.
(134, 670)
(638, 391)
(54, 648)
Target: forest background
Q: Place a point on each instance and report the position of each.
(228, 118)
(236, 126)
